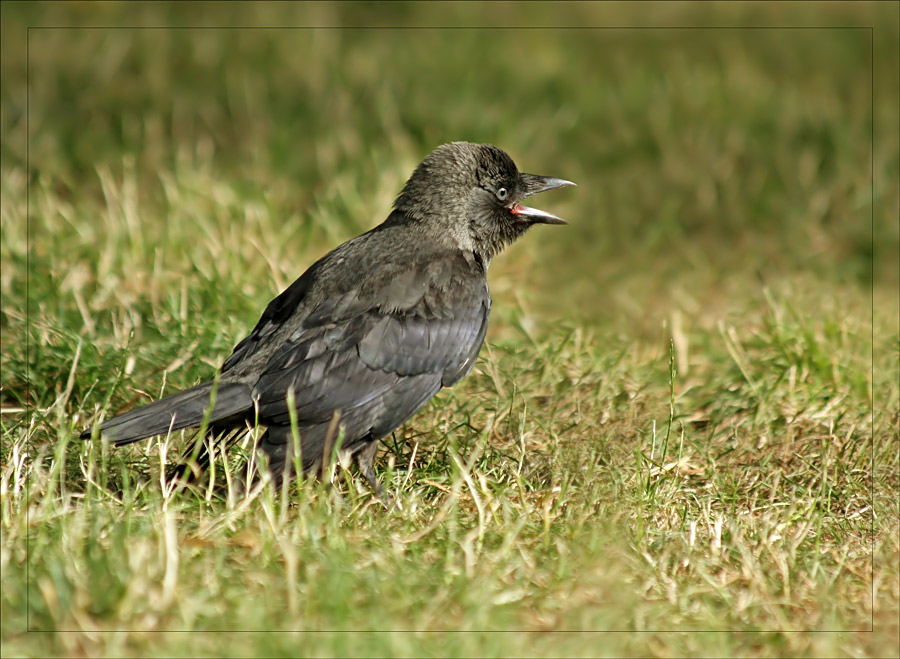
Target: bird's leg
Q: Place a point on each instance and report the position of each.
(365, 461)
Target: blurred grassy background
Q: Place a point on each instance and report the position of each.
(711, 162)
(705, 157)
(181, 174)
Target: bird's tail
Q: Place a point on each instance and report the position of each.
(185, 409)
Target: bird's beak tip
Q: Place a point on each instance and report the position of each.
(551, 183)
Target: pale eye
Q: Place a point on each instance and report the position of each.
(502, 194)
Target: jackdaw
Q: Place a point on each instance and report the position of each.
(373, 329)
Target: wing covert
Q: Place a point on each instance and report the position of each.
(347, 357)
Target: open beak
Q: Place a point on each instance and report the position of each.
(533, 185)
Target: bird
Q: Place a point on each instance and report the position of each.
(370, 332)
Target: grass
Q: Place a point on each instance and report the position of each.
(670, 433)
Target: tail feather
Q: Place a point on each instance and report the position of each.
(182, 410)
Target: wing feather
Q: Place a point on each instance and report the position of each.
(377, 366)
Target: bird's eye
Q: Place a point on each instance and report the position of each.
(502, 194)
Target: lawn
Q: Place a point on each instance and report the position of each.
(682, 430)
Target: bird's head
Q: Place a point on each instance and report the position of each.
(469, 195)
